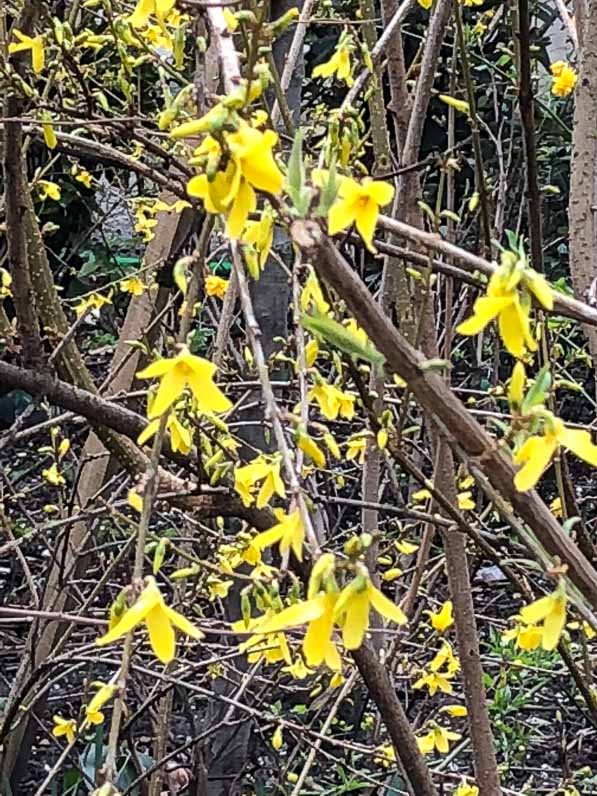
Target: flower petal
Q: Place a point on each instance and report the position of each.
(356, 621)
(366, 221)
(147, 601)
(182, 623)
(535, 456)
(580, 443)
(485, 310)
(161, 633)
(386, 607)
(297, 614)
(342, 214)
(171, 387)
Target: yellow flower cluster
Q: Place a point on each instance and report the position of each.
(564, 79)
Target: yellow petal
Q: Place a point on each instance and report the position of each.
(148, 432)
(319, 632)
(517, 385)
(245, 202)
(156, 369)
(580, 443)
(147, 601)
(485, 310)
(554, 623)
(171, 388)
(161, 634)
(381, 192)
(341, 215)
(357, 620)
(537, 610)
(386, 607)
(208, 395)
(366, 221)
(182, 623)
(536, 454)
(298, 614)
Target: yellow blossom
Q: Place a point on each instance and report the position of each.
(258, 237)
(93, 711)
(277, 739)
(160, 620)
(339, 64)
(175, 374)
(435, 681)
(391, 574)
(289, 533)
(272, 647)
(66, 727)
(388, 755)
(216, 286)
(93, 302)
(82, 176)
(231, 20)
(297, 670)
(49, 134)
(218, 588)
(437, 738)
(260, 469)
(445, 656)
(5, 284)
(464, 789)
(251, 166)
(146, 8)
(551, 612)
(48, 190)
(537, 451)
(516, 387)
(312, 296)
(356, 449)
(564, 79)
(465, 501)
(508, 299)
(36, 45)
(53, 476)
(309, 446)
(405, 547)
(180, 437)
(426, 4)
(556, 507)
(354, 604)
(359, 203)
(443, 619)
(332, 401)
(132, 285)
(526, 637)
(456, 711)
(135, 500)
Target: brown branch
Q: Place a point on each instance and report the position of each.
(438, 399)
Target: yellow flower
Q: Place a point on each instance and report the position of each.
(556, 507)
(66, 727)
(426, 4)
(445, 656)
(82, 176)
(456, 711)
(312, 295)
(258, 237)
(536, 452)
(508, 299)
(289, 533)
(53, 476)
(93, 712)
(353, 606)
(310, 447)
(159, 619)
(185, 369)
(526, 637)
(443, 619)
(356, 449)
(277, 739)
(260, 469)
(564, 79)
(216, 286)
(465, 501)
(36, 45)
(435, 681)
(391, 574)
(297, 670)
(551, 611)
(5, 284)
(218, 588)
(251, 166)
(132, 285)
(49, 134)
(180, 437)
(437, 738)
(405, 547)
(359, 203)
(135, 500)
(332, 401)
(421, 495)
(48, 190)
(272, 648)
(231, 20)
(339, 64)
(388, 755)
(93, 302)
(464, 789)
(145, 8)
(516, 387)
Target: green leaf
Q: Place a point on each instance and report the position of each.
(538, 391)
(333, 332)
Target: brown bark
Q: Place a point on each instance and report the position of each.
(583, 178)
